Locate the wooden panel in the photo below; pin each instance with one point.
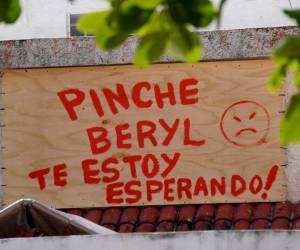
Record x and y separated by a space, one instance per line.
225 138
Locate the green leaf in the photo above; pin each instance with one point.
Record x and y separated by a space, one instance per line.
161 29
110 40
184 45
97 24
10 10
200 12
288 48
278 75
92 22
286 55
153 25
177 11
128 19
154 37
196 12
296 78
143 4
150 48
295 14
290 129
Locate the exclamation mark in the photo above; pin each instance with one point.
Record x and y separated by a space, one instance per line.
270 180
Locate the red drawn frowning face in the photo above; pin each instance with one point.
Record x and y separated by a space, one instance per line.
245 123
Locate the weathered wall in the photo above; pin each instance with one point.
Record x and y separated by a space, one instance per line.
212 240
219 45
230 44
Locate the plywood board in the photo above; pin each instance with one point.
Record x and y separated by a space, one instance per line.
117 136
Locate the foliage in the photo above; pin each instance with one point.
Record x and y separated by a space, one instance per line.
163 26
287 58
9 10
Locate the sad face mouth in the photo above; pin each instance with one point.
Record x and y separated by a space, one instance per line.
245 130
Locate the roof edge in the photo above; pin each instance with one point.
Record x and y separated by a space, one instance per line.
83 51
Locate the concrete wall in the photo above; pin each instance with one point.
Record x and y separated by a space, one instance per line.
231 44
209 240
49 18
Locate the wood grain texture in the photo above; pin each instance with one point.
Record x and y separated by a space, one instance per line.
39 134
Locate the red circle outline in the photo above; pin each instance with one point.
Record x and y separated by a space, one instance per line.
260 141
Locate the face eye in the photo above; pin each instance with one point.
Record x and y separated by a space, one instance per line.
237 118
251 116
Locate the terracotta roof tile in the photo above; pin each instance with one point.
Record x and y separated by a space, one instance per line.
110 218
242 216
296 224
260 224
111 227
225 212
145 228
280 223
149 214
261 216
186 213
224 217
183 226
243 212
280 215
241 225
204 217
130 215
75 211
262 210
126 228
147 219
195 217
165 226
205 212
94 215
296 211
222 225
283 210
167 218
202 225
168 213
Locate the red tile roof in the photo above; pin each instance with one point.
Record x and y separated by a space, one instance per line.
195 217
190 217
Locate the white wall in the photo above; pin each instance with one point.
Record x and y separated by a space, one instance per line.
49 18
204 240
46 18
240 14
